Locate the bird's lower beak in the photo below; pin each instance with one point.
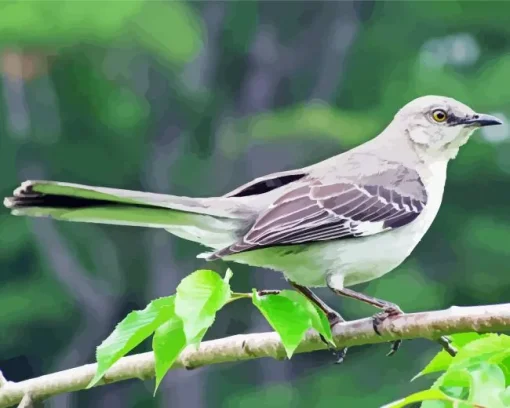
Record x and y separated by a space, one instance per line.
481 119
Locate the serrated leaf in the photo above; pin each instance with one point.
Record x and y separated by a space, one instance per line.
318 319
130 332
492 347
168 342
289 318
487 384
442 360
199 296
489 348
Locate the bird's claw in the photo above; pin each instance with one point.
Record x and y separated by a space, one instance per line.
394 310
340 355
379 318
335 318
395 345
388 312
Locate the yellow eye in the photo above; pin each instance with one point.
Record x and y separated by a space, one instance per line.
439 115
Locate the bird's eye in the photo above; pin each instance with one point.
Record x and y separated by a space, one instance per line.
439 115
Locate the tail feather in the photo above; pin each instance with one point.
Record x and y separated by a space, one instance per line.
53 201
213 223
223 206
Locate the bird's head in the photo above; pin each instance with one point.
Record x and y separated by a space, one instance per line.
440 125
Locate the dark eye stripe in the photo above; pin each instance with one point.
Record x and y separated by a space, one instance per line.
453 120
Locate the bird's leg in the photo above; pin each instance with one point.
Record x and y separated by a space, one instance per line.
333 317
388 310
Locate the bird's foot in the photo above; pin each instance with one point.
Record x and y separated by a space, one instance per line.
334 318
390 311
393 310
340 355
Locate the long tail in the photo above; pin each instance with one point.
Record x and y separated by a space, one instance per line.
211 221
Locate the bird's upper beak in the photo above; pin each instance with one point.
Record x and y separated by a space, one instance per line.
480 120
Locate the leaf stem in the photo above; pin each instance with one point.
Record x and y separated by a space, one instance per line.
238 295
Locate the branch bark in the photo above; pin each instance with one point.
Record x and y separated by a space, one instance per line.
430 325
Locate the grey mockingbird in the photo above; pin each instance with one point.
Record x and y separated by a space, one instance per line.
346 220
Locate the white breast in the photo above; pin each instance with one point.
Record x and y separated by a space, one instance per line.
381 253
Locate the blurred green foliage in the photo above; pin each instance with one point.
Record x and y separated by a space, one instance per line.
198 97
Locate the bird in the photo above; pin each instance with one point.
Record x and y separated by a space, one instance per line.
346 220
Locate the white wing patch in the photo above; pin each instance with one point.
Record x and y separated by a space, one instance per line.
369 228
314 212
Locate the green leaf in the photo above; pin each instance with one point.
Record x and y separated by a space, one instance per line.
487 384
472 370
168 342
456 392
287 317
428 395
488 348
130 332
435 404
475 370
505 397
199 296
492 348
291 315
453 378
442 360
317 318
505 366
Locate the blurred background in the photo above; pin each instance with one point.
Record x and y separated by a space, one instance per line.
195 98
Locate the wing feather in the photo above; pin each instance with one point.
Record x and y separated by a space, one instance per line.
313 212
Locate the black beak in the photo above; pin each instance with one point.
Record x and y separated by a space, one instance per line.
481 119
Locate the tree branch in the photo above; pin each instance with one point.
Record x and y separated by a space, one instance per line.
251 346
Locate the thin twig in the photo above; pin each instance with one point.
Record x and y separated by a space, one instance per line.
26 402
430 325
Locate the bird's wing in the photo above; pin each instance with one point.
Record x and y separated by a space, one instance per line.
267 183
316 211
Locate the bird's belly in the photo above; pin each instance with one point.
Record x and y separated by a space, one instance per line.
351 261
369 258
377 256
